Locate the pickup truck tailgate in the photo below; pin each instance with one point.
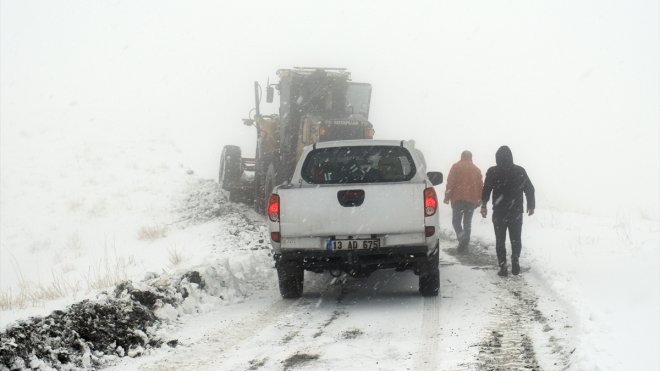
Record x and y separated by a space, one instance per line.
387 208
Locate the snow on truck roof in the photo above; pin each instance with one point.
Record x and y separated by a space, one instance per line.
364 142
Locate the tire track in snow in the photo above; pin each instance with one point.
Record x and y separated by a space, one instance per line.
210 351
426 358
509 341
520 335
293 337
342 303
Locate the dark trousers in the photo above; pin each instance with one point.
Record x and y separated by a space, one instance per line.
512 223
462 220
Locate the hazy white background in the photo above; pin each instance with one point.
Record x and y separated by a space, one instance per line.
93 94
572 87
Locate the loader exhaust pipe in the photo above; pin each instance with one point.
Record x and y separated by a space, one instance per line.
256 99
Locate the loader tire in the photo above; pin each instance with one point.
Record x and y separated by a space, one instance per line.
231 168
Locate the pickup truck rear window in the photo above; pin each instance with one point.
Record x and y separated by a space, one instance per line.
375 164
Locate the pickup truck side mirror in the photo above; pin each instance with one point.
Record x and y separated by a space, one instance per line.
435 177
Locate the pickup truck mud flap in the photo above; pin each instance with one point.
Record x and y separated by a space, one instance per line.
369 260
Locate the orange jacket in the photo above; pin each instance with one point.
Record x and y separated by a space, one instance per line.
464 183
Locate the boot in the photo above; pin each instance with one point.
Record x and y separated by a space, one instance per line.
503 272
515 267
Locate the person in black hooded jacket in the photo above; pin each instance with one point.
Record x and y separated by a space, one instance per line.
507 182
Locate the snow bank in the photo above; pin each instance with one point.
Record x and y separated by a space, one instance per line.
92 332
133 317
225 243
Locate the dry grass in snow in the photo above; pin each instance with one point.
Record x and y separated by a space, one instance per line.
151 232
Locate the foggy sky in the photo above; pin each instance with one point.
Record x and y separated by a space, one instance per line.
571 86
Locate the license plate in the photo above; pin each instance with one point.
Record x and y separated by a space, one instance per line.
338 245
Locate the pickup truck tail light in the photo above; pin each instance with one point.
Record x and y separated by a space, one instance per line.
273 210
430 201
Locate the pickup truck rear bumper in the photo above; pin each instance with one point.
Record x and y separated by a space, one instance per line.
380 258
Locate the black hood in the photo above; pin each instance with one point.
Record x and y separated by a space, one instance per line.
504 157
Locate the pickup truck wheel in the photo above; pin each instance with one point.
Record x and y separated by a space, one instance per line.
291 277
229 175
429 276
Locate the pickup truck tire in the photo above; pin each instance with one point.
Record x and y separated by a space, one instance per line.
429 276
291 276
229 175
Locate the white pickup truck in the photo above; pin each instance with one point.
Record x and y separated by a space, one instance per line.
356 206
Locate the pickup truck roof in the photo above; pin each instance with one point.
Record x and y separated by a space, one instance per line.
409 144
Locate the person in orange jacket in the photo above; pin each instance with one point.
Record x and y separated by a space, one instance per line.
463 190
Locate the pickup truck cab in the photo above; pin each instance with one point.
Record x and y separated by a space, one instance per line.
356 206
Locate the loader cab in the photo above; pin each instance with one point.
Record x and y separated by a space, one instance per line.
317 105
358 99
347 119
327 92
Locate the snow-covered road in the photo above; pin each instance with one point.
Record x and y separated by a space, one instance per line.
479 321
556 315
